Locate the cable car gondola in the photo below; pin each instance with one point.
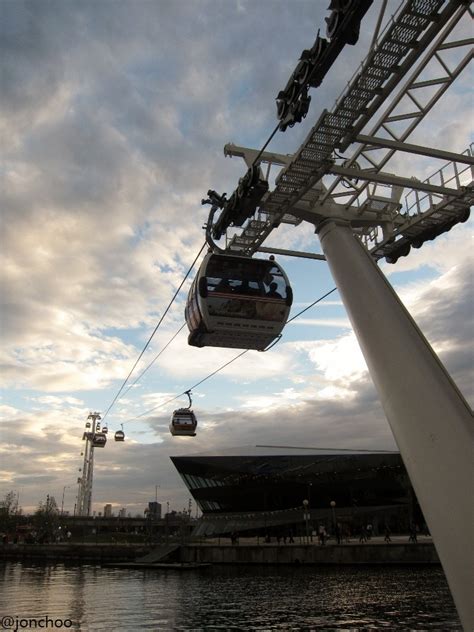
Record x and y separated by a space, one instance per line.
237 302
105 430
183 422
99 440
120 435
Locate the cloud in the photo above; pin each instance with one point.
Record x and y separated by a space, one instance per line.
112 123
323 322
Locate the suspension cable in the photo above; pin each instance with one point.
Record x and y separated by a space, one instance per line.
154 331
226 364
154 359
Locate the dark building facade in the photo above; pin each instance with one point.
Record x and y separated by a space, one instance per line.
247 493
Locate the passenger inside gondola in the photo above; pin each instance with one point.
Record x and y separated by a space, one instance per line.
240 280
249 288
272 292
222 286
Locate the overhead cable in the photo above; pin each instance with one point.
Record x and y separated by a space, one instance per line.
155 359
226 364
154 331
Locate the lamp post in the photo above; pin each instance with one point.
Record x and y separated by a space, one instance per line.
62 501
334 523
306 518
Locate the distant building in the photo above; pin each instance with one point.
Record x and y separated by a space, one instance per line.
269 493
122 513
108 511
154 510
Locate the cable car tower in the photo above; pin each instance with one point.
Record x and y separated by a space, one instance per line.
360 216
94 438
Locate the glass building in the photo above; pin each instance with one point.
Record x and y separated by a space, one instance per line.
250 493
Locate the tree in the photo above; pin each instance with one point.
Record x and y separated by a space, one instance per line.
46 519
9 512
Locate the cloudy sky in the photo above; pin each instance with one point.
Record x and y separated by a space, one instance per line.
113 119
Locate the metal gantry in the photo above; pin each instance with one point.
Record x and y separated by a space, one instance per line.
299 192
361 215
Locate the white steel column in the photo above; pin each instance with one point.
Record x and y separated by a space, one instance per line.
431 421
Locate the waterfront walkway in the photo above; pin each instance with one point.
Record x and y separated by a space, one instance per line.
312 541
246 551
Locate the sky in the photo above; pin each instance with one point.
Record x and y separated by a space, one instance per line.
113 119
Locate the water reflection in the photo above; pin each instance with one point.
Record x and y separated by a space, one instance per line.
231 598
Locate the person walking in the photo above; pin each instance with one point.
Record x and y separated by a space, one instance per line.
413 537
322 535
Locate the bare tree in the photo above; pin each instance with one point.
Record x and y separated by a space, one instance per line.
46 519
9 512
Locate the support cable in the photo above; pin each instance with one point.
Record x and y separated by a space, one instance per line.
191 388
154 331
154 359
321 298
267 142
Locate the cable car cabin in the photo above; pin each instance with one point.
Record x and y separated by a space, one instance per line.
105 430
99 440
183 423
119 435
237 302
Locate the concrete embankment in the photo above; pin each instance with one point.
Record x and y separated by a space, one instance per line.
422 553
199 553
70 552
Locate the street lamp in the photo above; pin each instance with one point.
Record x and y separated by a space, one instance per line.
333 510
62 501
306 518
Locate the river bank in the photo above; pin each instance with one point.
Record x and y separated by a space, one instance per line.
375 551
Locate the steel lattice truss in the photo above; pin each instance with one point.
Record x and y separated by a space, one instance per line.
417 38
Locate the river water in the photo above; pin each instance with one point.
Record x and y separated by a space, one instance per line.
62 597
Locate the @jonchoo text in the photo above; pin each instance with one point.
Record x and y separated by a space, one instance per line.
13 624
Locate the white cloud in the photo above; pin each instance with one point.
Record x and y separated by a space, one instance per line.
338 359
113 123
342 323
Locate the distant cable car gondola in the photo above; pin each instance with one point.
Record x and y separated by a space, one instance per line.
99 440
88 425
183 422
237 302
105 430
120 435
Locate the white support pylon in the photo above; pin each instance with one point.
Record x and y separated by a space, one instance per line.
431 422
84 497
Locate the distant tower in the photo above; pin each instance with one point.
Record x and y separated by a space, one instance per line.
108 511
94 438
